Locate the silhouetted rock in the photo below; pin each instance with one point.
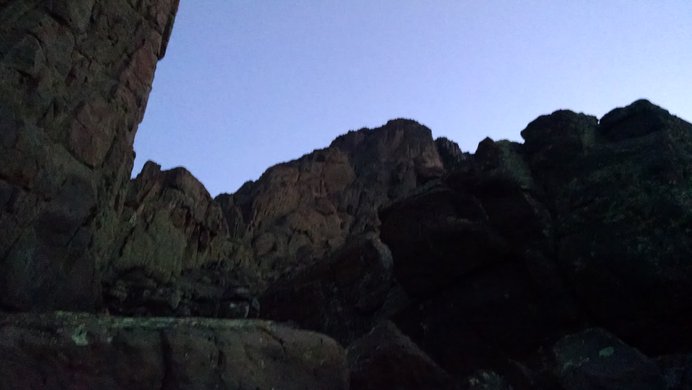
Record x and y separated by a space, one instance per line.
595 359
67 350
676 371
386 359
450 153
524 243
75 80
521 266
622 217
342 295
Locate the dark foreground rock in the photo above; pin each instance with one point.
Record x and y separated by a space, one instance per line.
174 254
387 359
301 211
343 295
585 224
595 359
79 351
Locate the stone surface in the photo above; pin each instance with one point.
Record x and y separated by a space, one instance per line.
342 295
173 251
585 224
581 234
302 210
67 350
386 359
74 81
595 359
622 219
676 371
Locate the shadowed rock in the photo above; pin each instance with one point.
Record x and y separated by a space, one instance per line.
66 350
75 80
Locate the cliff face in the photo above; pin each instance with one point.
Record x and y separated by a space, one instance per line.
75 80
300 211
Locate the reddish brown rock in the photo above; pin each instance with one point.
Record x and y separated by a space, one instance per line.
300 211
67 350
387 359
75 80
173 252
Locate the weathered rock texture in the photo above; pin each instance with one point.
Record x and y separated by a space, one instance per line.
585 224
300 211
562 262
595 359
74 81
173 252
385 358
77 351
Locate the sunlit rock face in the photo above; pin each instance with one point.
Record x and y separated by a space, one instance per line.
75 80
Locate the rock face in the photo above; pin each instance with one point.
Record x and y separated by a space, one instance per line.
173 252
75 80
343 295
385 358
64 350
594 359
299 211
622 218
585 224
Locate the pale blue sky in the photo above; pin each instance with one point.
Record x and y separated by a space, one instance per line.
247 84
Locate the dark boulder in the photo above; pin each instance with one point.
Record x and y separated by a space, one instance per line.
386 359
342 295
595 359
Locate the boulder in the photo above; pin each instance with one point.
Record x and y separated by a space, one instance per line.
595 359
342 295
523 244
69 350
387 359
621 215
676 371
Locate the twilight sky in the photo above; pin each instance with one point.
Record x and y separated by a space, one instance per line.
249 83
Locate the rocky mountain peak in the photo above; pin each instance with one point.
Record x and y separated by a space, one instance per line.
301 210
635 120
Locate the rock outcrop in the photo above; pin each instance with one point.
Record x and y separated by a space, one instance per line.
173 254
585 224
595 359
80 351
75 80
300 211
385 358
562 262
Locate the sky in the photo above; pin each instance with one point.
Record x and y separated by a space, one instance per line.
247 84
